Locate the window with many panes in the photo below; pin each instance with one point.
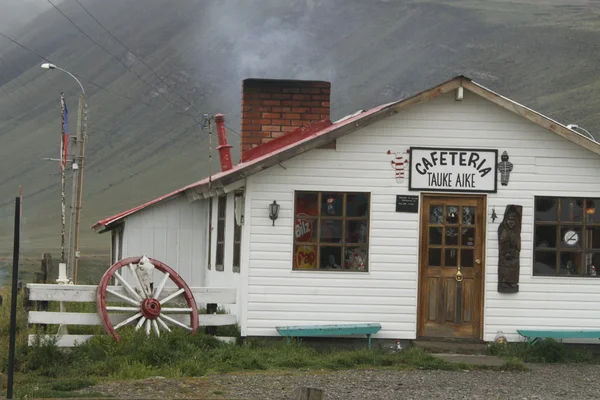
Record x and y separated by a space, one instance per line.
221 212
331 231
237 232
566 236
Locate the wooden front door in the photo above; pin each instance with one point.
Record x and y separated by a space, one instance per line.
451 266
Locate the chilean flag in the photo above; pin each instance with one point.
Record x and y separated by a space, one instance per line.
64 142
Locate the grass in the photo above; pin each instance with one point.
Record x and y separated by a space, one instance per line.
545 351
46 370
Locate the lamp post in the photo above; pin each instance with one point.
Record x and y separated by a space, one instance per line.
575 126
78 151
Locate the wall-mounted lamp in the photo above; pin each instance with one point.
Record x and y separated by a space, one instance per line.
273 211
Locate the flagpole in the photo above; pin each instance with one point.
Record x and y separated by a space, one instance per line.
62 180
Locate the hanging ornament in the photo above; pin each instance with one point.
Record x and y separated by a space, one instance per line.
571 208
399 162
505 167
330 209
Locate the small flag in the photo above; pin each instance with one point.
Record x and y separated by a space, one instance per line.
64 142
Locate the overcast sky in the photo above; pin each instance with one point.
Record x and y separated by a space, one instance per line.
16 13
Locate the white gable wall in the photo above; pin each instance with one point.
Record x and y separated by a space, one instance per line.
173 232
544 164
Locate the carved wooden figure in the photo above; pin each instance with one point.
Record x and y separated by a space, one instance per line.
509 249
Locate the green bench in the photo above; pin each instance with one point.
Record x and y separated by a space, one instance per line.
534 335
329 330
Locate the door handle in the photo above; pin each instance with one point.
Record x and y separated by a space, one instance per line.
459 275
478 261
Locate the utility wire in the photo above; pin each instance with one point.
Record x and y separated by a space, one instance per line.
114 56
184 112
29 50
87 80
138 57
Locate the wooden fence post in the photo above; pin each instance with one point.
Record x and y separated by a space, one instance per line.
211 309
307 393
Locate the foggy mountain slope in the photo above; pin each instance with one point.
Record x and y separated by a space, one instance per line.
543 54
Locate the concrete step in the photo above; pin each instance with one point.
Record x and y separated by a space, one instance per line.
451 347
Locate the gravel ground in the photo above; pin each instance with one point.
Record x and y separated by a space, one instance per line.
542 382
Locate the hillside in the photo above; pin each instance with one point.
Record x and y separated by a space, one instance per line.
544 54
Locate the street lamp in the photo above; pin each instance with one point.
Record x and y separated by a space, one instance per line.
78 150
52 66
575 126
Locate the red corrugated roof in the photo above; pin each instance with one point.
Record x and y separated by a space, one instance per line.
262 152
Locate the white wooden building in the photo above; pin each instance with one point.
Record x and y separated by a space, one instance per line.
363 236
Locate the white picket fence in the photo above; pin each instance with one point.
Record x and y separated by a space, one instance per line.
87 294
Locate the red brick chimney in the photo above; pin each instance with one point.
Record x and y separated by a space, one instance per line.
224 148
272 108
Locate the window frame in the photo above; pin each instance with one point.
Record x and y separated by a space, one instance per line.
237 232
221 230
583 226
317 230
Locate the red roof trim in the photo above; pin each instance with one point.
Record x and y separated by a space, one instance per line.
282 141
301 136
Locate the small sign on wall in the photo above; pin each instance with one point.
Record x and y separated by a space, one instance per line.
407 204
453 170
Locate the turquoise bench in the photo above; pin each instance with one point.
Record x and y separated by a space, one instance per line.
329 330
534 335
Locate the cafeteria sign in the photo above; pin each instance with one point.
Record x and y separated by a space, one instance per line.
453 170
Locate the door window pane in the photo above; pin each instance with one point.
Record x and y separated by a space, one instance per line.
468 215
468 237
452 214
467 259
435 257
435 236
545 263
545 236
451 236
451 258
436 215
546 208
331 257
571 210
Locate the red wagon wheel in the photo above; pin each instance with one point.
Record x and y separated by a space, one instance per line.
144 303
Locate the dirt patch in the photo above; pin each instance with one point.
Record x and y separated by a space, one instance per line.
542 382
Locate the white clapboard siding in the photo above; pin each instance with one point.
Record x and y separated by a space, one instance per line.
71 318
87 293
173 232
543 164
